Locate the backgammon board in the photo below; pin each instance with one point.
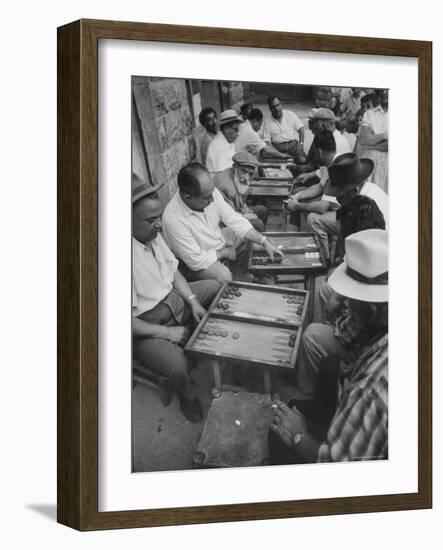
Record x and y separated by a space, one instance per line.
302 255
252 324
267 188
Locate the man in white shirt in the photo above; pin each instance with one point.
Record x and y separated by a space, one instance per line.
284 130
313 199
209 129
191 223
222 149
249 138
164 305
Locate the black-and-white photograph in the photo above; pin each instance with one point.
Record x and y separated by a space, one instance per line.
259 274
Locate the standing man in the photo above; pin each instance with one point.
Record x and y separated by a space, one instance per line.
164 305
222 149
284 131
374 139
208 120
192 221
351 105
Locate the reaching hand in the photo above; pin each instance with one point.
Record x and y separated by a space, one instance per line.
272 249
198 310
179 335
287 422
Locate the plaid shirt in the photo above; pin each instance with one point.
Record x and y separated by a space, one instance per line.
359 429
352 337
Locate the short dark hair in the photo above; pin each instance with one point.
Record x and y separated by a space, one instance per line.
373 98
187 178
325 141
271 99
256 114
359 214
244 108
204 113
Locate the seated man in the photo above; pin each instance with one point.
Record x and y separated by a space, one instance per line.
191 224
164 305
357 427
222 149
319 120
284 130
233 184
347 178
208 120
314 199
249 139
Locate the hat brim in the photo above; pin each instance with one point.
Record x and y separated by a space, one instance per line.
229 120
145 191
367 169
345 285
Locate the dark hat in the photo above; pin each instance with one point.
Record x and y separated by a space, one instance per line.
144 190
243 158
349 170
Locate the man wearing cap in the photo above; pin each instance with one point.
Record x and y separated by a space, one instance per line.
222 149
324 119
284 130
233 184
164 305
356 426
191 223
249 139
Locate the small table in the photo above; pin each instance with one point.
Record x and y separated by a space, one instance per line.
303 257
258 326
271 191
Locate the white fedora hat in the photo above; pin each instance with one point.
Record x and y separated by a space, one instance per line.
364 273
230 115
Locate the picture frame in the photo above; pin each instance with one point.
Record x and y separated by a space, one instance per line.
78 244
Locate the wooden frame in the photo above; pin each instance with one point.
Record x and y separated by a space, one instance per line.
77 274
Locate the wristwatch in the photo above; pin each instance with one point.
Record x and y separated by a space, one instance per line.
263 240
298 437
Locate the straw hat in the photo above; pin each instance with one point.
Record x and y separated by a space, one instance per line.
364 274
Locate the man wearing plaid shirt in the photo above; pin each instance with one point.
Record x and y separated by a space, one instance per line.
357 422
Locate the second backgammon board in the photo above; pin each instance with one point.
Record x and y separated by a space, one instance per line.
275 172
266 188
302 255
252 324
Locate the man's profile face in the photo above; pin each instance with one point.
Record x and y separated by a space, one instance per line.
256 125
210 123
146 219
206 195
367 105
231 131
276 108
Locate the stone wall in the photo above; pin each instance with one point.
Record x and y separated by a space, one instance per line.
166 124
163 127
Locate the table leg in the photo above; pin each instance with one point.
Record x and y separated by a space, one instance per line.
310 286
217 374
267 380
